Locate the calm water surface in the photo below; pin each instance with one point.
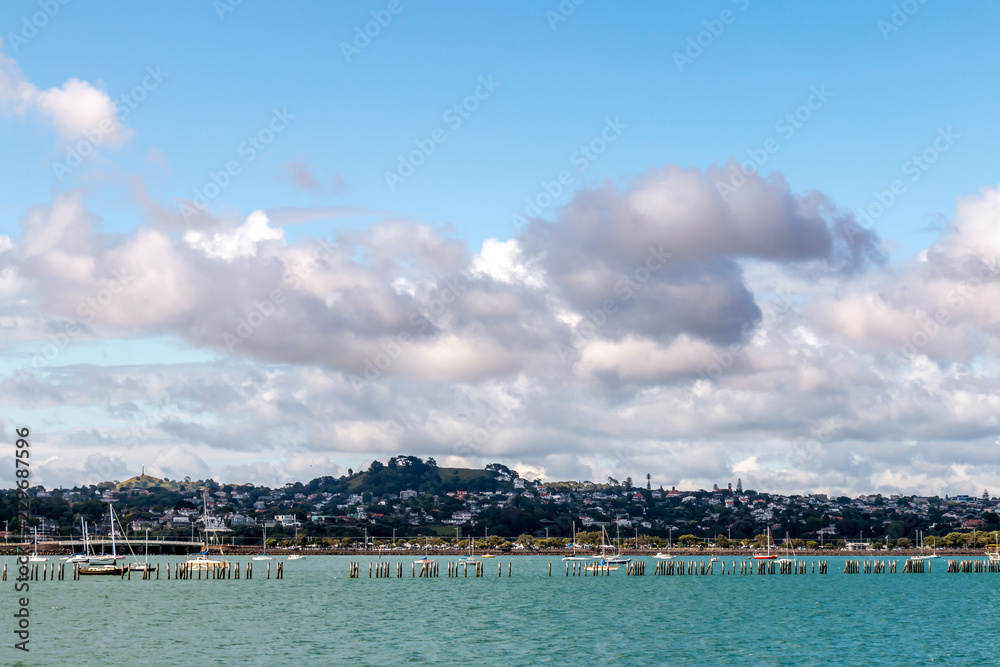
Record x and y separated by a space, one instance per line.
318 615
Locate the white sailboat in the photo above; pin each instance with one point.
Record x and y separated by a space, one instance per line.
263 556
922 555
607 562
84 556
791 557
200 561
34 557
104 564
471 558
145 565
574 556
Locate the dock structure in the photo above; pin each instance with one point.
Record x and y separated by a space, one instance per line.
179 571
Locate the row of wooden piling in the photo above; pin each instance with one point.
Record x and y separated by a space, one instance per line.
49 572
973 566
379 570
180 571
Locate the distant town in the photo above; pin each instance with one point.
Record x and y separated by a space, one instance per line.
410 500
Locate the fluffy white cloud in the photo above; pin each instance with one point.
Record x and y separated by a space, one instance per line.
649 328
77 110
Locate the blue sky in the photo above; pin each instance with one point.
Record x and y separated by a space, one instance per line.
557 87
889 89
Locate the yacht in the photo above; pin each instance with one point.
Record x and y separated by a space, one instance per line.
34 557
766 555
263 556
104 564
575 545
922 555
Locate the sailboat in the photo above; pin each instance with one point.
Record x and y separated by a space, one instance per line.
922 555
791 558
574 556
34 557
471 558
84 556
425 558
616 557
608 562
768 555
200 561
145 565
264 555
104 564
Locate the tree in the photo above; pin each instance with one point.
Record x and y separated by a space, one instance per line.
739 485
649 484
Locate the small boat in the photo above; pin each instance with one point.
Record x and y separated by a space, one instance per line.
489 556
102 569
144 566
665 556
601 566
264 555
108 559
616 557
34 557
78 558
713 559
993 553
425 559
201 562
767 555
575 545
296 557
922 555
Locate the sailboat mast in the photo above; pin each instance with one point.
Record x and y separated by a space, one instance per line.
111 512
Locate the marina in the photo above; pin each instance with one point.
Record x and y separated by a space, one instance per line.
331 613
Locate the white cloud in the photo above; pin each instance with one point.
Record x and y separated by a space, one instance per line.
240 242
77 110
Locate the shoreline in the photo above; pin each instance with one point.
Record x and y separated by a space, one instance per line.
14 550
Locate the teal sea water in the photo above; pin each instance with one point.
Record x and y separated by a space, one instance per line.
317 615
